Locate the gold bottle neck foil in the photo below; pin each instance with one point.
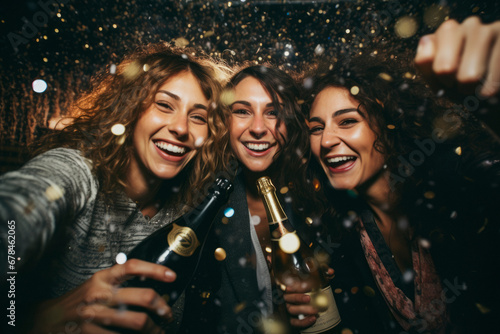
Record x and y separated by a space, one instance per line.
275 212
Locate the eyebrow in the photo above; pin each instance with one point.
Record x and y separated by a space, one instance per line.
177 98
335 114
248 104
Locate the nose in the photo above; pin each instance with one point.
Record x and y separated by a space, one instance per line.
258 128
329 139
179 125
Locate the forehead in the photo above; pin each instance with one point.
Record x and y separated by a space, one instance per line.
181 83
251 89
331 99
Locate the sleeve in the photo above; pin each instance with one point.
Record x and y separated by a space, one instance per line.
37 199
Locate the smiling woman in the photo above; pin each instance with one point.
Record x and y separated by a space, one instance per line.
130 153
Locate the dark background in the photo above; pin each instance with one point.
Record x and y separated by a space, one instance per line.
65 42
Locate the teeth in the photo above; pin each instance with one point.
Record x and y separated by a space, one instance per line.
339 159
171 148
257 147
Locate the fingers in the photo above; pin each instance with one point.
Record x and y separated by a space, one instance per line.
297 298
462 56
122 272
145 298
303 322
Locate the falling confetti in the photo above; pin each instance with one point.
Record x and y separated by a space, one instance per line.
354 90
228 212
406 27
54 192
220 254
289 243
121 258
39 86
118 129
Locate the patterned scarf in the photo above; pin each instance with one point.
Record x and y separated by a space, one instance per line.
427 314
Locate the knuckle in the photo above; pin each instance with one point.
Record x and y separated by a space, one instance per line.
472 21
149 297
448 25
139 321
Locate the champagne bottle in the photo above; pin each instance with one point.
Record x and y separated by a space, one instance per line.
178 245
293 261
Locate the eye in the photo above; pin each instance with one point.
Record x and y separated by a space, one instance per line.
241 112
316 130
164 106
200 119
272 113
348 121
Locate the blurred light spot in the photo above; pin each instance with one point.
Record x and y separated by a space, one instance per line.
39 86
121 258
229 212
319 50
220 254
458 150
385 76
354 90
347 31
429 194
406 27
368 290
269 250
408 276
309 221
112 69
289 243
227 97
54 192
316 185
338 290
242 261
483 309
115 26
284 190
346 331
199 141
320 301
224 220
118 129
255 220
435 14
354 290
132 70
424 243
145 67
391 127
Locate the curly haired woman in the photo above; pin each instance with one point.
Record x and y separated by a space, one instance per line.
118 172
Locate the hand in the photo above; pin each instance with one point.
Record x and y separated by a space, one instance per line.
302 313
462 56
94 306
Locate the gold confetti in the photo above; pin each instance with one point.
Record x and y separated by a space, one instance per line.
205 294
181 42
284 190
309 221
54 192
269 249
346 331
368 290
385 76
409 75
391 127
227 97
354 90
220 254
316 185
145 67
132 70
225 220
289 243
337 290
354 290
238 308
406 27
209 33
320 301
458 150
483 309
273 326
429 194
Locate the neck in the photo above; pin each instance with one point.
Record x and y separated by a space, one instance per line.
251 181
141 187
377 193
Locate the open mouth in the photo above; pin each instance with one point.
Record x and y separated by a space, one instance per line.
172 149
340 162
257 147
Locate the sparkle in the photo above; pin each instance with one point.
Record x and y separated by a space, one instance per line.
121 258
118 129
354 90
458 150
406 27
229 212
39 86
54 192
289 243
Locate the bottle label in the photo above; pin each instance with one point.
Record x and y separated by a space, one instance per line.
182 240
328 318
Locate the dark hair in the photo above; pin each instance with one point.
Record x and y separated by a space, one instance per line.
120 96
294 152
409 119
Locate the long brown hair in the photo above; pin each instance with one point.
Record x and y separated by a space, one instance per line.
120 96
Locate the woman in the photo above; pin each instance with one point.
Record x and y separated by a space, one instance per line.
118 172
414 181
266 134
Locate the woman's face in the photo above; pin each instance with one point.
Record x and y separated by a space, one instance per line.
169 131
343 141
252 129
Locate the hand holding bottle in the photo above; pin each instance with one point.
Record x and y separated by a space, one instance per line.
99 303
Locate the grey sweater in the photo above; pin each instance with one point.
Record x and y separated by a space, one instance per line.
56 196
